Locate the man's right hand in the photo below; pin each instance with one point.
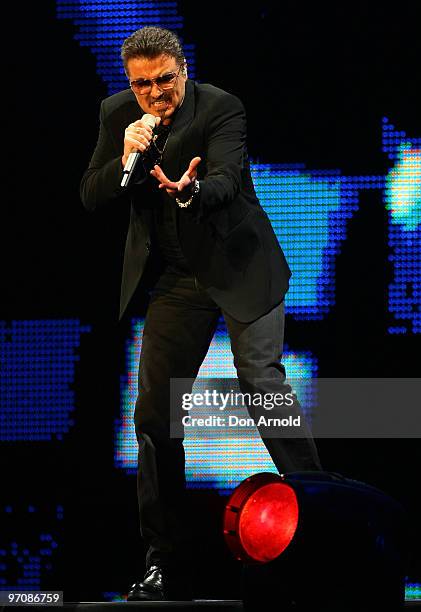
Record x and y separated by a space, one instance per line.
137 137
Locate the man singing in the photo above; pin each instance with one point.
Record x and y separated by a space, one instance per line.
197 223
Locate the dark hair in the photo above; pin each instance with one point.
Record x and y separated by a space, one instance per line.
150 42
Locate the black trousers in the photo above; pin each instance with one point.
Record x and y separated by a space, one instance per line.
180 322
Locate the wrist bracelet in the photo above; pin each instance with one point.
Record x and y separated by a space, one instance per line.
195 191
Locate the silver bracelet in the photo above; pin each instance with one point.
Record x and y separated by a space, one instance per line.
195 191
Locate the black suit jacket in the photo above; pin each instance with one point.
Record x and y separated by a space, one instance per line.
225 234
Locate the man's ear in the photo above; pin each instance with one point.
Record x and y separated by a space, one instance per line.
184 70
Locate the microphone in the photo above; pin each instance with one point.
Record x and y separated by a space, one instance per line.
133 157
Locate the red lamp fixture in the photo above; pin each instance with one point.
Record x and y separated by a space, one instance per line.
261 518
321 530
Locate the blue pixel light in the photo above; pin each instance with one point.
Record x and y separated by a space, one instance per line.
402 198
27 561
413 591
309 211
103 26
38 361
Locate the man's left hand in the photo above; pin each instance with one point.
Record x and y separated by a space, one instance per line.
175 188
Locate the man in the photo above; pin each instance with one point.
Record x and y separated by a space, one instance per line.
195 215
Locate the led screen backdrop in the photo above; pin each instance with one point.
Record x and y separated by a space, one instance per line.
335 144
309 211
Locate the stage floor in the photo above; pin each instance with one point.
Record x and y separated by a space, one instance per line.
197 604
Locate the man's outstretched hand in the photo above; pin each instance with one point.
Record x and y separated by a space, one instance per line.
175 188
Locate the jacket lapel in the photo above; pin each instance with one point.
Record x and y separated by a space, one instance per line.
173 149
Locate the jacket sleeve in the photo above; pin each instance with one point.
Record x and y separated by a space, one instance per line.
101 182
225 155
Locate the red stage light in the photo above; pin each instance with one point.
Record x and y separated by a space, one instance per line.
268 521
317 529
261 518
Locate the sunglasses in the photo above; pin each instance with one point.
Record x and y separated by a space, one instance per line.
164 82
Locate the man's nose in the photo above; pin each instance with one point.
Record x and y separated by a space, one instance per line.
156 92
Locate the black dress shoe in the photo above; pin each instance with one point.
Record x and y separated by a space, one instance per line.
151 588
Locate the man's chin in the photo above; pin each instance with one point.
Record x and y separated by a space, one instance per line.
163 113
167 114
